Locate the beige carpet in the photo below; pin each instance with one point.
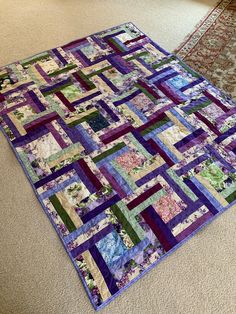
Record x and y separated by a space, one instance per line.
36 275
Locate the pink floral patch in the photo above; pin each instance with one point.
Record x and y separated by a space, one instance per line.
130 160
167 208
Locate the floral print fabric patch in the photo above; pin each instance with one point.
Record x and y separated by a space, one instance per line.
128 150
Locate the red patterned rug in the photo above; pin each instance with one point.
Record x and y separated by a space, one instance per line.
211 48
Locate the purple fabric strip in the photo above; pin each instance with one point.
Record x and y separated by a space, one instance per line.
78 102
36 101
71 132
39 121
194 103
192 84
127 98
57 85
91 241
179 218
146 65
216 101
120 64
187 200
82 175
113 132
19 88
191 165
30 136
196 141
142 141
81 60
108 110
159 228
201 196
186 232
53 176
152 175
170 93
109 83
223 136
221 119
214 153
42 73
159 72
98 41
165 78
11 125
56 135
115 185
59 57
99 209
110 281
189 138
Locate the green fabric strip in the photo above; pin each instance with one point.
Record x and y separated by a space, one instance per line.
36 116
56 89
155 126
109 152
99 71
132 219
137 55
86 80
150 96
166 61
203 105
34 59
231 197
62 213
126 225
65 69
116 44
86 118
62 152
150 201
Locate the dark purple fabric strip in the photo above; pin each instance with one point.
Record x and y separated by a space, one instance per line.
127 98
53 176
145 195
196 224
223 136
179 218
36 100
99 209
189 137
191 165
30 136
201 196
91 241
109 279
108 110
159 228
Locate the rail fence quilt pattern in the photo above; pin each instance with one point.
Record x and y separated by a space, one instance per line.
128 150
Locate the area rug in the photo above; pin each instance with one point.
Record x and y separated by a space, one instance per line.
129 151
211 48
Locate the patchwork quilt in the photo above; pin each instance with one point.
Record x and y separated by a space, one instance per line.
128 150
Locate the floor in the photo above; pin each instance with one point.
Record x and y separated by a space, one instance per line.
36 276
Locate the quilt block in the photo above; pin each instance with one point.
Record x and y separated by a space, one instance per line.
128 150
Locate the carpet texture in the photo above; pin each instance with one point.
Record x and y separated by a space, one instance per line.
211 48
35 275
129 151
